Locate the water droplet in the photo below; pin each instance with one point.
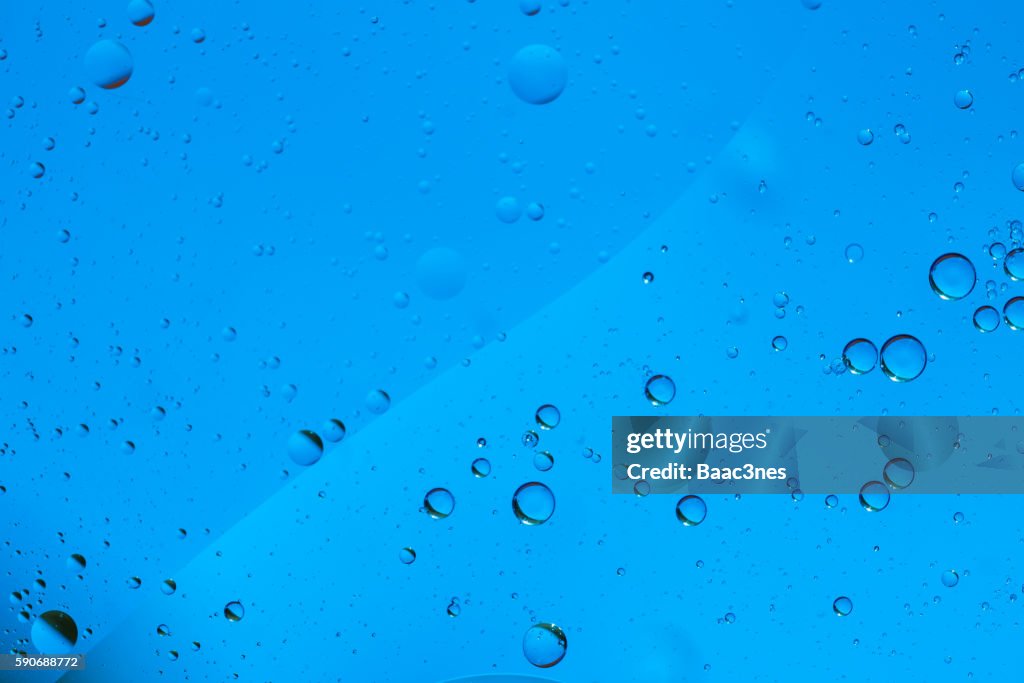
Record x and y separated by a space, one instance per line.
481 467
986 319
134 582
508 210
378 401
811 4
860 356
406 555
647 278
529 7
691 510
548 416
874 496
842 606
1013 264
234 611
544 645
1017 176
533 503
439 503
865 136
831 500
660 390
854 253
950 578
305 447
441 273
454 608
168 586
530 439
1013 313
903 358
963 99
54 632
958 518
781 299
952 276
535 211
163 630
898 473
732 352
334 430
76 95
198 35
109 64
538 74
76 562
37 170
141 12
543 461
780 343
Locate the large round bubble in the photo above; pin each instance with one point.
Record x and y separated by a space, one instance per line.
109 64
441 273
538 74
54 633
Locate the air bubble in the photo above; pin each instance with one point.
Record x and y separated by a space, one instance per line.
141 12
439 503
952 276
842 606
898 473
903 358
543 461
854 253
660 390
334 430
54 633
548 416
950 578
538 74
691 510
533 503
406 555
1013 264
109 64
963 99
874 496
865 136
234 611
544 645
1013 313
860 356
378 401
305 447
986 319
481 468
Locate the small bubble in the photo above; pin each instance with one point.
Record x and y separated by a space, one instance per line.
854 253
334 430
660 390
732 352
234 611
842 606
109 64
903 358
780 343
548 416
950 578
378 401
831 501
141 12
481 468
168 586
874 496
1017 177
963 99
691 510
647 278
533 503
543 461
958 518
544 645
1013 264
406 555
865 136
439 503
508 210
986 319
37 170
538 74
198 35
305 447
530 439
898 473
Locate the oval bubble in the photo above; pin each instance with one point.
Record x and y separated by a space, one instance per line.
903 358
660 390
691 510
842 606
54 633
109 64
874 496
898 473
533 503
538 74
441 273
439 503
305 447
548 416
1013 313
544 645
860 356
1017 177
986 319
1013 264
952 276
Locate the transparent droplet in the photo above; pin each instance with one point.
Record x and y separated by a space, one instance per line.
780 343
1013 264
76 562
691 510
986 319
958 518
109 64
508 210
963 99
952 276
533 503
454 608
548 416
898 473
1013 313
378 401
406 555
950 578
141 12
54 633
334 430
530 439
660 390
647 278
732 352
535 211
543 461
481 467
1017 176
305 447
441 273
529 7
134 582
865 136
854 253
538 74
874 496
831 500
842 606
234 611
903 358
439 503
781 299
168 586
544 645
860 356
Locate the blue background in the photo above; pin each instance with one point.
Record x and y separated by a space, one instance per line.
285 177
